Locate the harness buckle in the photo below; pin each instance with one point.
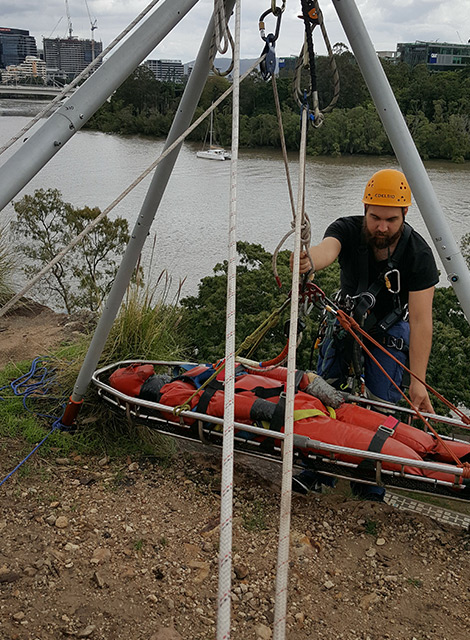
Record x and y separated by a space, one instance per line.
389 431
392 281
392 342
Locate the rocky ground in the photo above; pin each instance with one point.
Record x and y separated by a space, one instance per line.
127 549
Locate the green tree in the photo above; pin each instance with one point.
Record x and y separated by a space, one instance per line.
257 296
45 225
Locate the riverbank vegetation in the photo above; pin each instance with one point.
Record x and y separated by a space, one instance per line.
436 107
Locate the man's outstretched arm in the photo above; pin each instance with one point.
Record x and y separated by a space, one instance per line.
420 319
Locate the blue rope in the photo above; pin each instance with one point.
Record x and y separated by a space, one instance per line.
37 381
54 428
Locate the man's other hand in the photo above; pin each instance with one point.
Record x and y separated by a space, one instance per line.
305 264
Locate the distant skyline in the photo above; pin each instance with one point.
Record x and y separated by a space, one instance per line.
388 23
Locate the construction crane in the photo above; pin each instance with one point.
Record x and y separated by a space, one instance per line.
69 21
93 26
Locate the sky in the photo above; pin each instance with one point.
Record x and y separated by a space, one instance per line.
388 22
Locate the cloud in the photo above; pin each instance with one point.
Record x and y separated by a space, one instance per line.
388 23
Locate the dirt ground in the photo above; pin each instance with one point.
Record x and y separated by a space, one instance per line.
112 550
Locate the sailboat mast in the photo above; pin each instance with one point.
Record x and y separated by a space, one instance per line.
210 129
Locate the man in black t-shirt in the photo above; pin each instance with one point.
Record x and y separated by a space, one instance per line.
387 272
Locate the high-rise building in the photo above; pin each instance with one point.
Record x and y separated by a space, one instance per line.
437 56
31 69
166 70
15 45
71 55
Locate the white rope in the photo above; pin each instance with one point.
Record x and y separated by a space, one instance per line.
280 608
80 77
6 307
226 507
220 25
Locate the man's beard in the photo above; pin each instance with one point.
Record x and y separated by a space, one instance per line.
381 240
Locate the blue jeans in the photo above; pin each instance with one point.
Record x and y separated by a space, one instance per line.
336 354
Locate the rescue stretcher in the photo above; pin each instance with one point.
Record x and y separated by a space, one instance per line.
340 452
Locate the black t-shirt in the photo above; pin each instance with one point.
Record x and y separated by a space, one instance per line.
416 263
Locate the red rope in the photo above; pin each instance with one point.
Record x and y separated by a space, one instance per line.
349 323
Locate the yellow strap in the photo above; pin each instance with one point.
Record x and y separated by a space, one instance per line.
301 414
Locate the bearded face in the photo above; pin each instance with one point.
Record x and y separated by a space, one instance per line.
383 226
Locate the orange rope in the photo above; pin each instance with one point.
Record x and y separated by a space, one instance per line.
278 359
349 324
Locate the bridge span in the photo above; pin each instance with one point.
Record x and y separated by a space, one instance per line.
31 90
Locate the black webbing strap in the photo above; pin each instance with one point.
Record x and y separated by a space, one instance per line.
382 434
263 392
206 397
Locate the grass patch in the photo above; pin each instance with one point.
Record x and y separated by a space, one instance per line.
147 327
255 517
371 528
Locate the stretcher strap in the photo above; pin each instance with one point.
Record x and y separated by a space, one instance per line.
383 433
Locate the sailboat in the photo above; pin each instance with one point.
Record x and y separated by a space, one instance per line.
213 152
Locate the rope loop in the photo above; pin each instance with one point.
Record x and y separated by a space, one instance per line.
220 26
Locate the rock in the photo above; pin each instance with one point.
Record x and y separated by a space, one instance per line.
328 584
87 631
100 555
99 580
71 547
62 522
8 576
240 571
263 632
18 616
380 542
370 553
369 600
134 466
202 570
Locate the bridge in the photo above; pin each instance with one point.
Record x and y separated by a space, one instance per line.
29 90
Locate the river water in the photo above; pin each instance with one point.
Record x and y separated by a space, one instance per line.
191 226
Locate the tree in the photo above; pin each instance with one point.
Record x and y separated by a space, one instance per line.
257 296
45 225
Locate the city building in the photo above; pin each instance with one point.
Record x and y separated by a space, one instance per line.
71 55
31 69
15 45
166 70
437 56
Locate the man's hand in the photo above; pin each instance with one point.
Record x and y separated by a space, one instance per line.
419 396
305 264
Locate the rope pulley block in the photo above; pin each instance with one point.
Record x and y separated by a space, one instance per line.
268 64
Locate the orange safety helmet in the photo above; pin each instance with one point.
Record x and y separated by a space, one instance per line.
388 188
